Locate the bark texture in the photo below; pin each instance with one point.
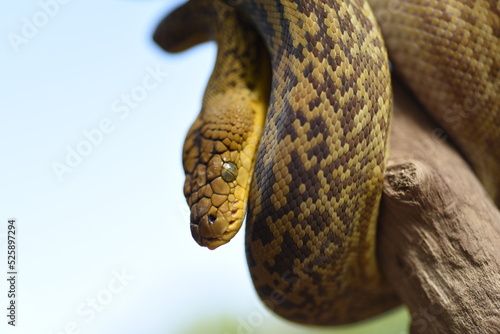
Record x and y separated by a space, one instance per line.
439 238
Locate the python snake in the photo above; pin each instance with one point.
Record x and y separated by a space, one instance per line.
295 122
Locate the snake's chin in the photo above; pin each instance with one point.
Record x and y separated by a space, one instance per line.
212 242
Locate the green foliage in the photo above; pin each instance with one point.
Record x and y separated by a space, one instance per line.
395 322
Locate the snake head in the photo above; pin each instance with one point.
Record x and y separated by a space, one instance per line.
218 162
218 206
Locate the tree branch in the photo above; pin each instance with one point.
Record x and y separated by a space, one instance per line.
439 238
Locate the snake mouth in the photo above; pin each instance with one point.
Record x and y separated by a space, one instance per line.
212 234
213 226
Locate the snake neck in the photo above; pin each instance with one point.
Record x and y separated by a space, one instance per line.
219 151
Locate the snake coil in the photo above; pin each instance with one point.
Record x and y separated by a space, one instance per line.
295 122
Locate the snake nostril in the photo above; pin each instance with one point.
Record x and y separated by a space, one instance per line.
211 219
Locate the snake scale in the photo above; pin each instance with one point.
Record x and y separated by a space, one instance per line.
293 132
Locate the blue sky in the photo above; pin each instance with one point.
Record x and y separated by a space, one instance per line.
93 117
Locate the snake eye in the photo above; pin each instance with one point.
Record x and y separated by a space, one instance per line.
229 171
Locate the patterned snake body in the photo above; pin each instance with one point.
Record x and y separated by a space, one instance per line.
448 52
314 180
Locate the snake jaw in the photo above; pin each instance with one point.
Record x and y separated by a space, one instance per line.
211 243
211 230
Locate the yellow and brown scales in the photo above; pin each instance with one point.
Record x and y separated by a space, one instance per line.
295 122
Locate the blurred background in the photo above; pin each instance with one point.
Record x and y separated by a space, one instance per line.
93 119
